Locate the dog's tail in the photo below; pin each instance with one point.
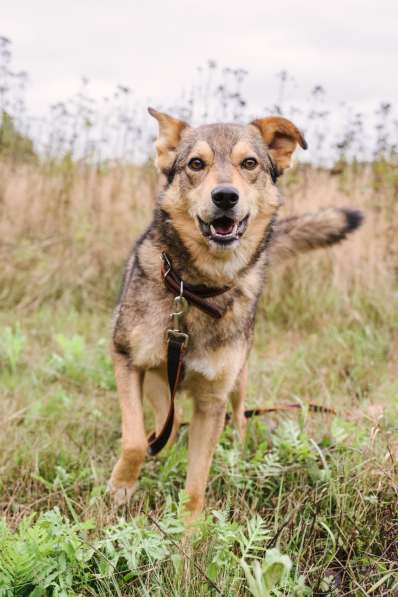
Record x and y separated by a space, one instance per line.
299 234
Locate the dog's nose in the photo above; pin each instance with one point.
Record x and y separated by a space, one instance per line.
225 197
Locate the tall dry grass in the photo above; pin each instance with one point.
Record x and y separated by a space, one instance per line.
66 229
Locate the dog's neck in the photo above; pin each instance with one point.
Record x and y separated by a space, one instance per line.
171 243
211 271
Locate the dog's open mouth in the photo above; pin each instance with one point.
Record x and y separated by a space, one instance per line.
223 230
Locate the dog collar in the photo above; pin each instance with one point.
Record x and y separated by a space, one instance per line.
195 294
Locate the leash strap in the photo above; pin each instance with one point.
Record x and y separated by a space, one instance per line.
177 338
175 367
256 412
177 342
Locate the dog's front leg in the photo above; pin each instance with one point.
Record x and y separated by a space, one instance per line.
238 397
129 381
207 424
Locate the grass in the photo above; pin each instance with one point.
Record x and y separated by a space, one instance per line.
306 507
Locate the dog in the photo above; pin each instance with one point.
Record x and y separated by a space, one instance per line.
215 222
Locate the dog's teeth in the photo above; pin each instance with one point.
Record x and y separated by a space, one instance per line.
212 229
242 225
235 230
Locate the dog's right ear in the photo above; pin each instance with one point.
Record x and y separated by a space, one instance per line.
170 131
281 137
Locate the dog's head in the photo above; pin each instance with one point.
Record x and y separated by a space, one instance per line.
219 179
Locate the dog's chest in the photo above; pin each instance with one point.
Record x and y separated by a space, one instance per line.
212 342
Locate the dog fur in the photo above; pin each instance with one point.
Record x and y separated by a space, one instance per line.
190 228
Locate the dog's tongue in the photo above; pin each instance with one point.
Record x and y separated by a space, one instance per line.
223 226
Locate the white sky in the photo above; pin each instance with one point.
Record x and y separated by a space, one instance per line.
154 47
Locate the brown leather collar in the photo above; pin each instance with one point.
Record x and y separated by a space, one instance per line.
195 294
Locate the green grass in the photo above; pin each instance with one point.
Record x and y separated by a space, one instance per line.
306 507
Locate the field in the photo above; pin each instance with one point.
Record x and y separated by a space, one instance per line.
308 506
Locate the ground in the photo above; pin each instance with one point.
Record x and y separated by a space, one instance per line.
311 497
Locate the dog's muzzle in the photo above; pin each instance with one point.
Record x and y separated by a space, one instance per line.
224 227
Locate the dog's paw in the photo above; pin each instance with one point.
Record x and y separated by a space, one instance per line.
121 494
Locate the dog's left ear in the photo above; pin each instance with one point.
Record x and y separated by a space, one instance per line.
281 136
170 131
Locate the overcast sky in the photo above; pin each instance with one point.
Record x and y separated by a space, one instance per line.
351 46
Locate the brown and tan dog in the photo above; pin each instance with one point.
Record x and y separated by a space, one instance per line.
216 219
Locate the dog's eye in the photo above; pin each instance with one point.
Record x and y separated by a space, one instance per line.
196 164
249 163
